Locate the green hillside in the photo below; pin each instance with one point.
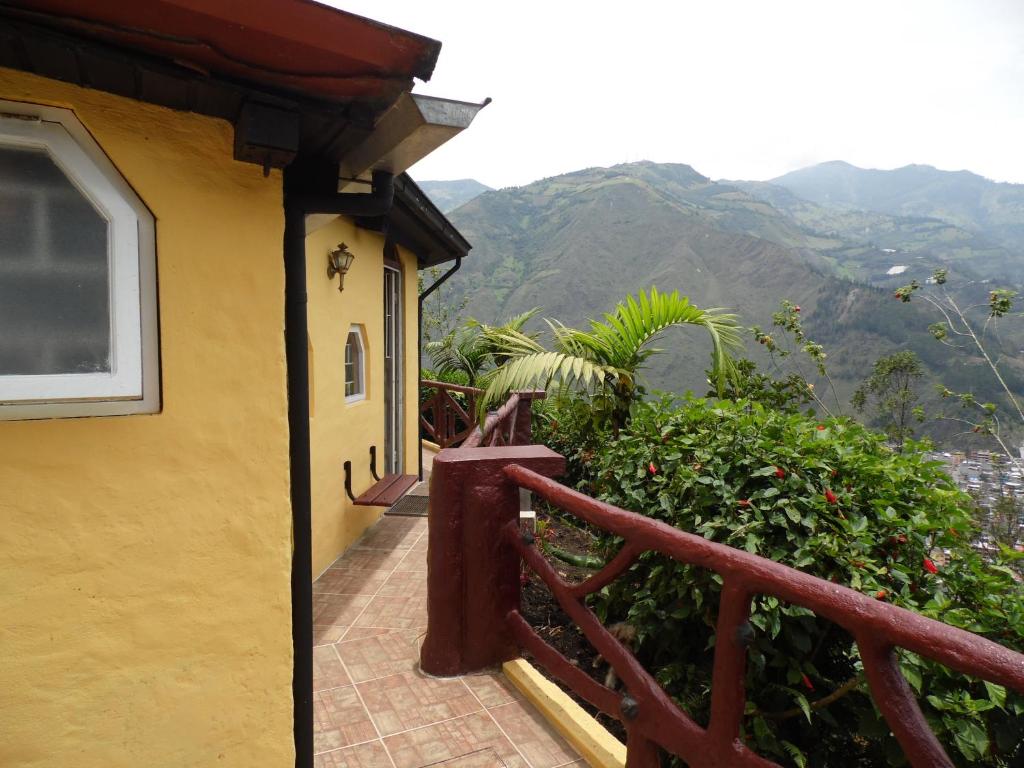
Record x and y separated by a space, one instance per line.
449 195
865 245
575 244
994 210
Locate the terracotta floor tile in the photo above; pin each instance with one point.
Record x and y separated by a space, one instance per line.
415 560
408 612
370 559
350 581
328 671
411 700
340 720
537 740
405 583
381 655
337 610
454 738
493 690
358 633
369 755
324 634
420 546
392 533
484 758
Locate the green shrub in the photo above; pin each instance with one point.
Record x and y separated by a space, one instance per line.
830 499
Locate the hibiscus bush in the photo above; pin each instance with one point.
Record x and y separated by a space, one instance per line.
830 499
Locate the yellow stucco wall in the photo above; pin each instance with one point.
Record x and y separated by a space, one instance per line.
144 560
341 431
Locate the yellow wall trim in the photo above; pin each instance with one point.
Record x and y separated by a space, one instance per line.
597 746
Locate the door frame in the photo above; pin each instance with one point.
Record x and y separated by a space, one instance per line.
394 422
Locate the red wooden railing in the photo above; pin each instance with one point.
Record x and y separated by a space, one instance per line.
509 425
443 417
450 425
475 550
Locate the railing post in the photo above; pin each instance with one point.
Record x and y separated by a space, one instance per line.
522 426
472 573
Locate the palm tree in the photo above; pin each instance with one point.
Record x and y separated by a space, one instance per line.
605 360
469 349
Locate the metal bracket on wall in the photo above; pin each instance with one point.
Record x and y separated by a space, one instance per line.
373 463
348 480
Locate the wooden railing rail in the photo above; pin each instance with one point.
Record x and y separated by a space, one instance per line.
476 546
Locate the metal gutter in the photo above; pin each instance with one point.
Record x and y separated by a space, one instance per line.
410 130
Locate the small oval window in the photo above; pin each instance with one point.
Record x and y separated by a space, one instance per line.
355 368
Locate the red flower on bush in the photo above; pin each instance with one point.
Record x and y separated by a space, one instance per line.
653 469
930 566
830 497
821 427
780 472
881 594
796 309
807 682
744 502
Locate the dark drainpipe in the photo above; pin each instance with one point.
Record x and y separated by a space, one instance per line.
419 337
309 187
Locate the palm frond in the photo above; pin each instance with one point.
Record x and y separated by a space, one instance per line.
637 321
539 370
610 351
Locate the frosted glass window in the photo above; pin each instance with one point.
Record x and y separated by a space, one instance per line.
77 275
54 275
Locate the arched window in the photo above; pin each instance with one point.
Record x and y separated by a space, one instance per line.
355 366
77 275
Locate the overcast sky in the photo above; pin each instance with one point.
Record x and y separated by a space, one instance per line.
741 90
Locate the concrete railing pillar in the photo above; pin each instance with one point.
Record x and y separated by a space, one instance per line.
472 575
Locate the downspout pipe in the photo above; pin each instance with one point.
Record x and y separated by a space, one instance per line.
309 187
419 335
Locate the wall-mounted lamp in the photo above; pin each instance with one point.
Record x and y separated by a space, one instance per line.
338 262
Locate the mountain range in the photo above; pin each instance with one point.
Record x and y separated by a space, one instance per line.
833 238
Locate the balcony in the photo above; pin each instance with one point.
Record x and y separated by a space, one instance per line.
465 590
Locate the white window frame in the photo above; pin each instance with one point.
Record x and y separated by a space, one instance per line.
133 383
357 331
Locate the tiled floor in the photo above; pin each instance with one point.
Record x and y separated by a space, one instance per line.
373 707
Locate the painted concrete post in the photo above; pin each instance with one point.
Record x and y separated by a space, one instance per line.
472 573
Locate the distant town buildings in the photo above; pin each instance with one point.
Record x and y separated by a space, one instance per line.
996 483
